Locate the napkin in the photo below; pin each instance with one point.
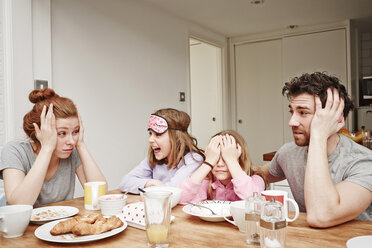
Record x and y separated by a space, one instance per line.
134 215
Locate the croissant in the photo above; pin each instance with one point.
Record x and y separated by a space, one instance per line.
100 226
64 226
67 225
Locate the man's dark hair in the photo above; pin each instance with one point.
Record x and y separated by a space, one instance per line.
317 84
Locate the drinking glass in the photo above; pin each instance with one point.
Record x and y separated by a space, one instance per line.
157 217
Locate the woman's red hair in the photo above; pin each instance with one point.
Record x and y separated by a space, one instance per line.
62 108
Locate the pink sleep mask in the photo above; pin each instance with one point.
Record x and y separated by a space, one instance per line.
157 124
160 125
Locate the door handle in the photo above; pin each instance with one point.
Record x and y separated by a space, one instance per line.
214 119
240 121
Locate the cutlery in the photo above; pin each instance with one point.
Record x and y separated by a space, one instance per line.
201 206
142 190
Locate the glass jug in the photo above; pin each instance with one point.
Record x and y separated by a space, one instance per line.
253 206
273 225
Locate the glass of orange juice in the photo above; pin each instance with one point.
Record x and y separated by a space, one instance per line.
157 217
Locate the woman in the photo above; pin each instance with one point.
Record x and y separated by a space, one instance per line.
42 170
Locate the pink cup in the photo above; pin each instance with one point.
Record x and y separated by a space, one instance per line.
282 197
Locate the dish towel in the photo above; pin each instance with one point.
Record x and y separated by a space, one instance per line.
134 215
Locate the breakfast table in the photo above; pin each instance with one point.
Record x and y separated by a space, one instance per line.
190 231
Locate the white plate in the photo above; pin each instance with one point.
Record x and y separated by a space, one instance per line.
221 208
46 214
43 233
360 242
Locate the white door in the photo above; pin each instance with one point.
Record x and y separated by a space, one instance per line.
322 51
258 96
206 95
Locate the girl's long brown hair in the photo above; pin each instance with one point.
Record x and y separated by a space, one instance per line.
181 141
244 160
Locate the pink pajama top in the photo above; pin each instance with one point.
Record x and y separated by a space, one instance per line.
237 189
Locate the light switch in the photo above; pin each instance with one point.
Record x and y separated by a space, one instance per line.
40 84
182 96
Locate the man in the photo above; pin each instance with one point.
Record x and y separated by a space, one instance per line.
330 176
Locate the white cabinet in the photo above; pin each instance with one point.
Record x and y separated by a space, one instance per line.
259 101
260 69
322 51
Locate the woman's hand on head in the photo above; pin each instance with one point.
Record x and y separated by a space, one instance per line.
81 131
47 133
230 150
213 150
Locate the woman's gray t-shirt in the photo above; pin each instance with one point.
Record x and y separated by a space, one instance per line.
19 155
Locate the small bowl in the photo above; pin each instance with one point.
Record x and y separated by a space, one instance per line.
176 196
112 204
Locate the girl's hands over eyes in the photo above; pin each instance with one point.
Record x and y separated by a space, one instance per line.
47 133
230 150
213 150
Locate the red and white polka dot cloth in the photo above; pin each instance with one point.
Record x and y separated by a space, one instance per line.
134 215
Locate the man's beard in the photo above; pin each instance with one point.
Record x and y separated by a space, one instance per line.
303 140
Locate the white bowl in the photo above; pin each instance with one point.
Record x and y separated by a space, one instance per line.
14 220
112 204
176 193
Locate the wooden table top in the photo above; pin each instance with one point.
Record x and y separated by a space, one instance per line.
190 231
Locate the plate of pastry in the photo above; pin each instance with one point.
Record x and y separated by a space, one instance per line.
81 229
221 208
46 214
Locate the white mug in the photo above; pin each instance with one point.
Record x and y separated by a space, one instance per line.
237 210
92 192
282 197
14 220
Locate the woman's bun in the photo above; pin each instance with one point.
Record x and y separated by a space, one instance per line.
41 95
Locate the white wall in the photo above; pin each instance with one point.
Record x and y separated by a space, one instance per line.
21 62
119 60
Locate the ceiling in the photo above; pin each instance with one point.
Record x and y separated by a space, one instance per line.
239 17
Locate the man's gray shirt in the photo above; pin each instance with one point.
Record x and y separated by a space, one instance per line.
349 162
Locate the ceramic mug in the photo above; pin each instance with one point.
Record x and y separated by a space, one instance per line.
14 220
237 210
282 197
92 192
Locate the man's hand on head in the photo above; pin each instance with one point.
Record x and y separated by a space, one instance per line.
328 120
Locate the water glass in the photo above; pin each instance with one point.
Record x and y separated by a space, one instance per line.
157 217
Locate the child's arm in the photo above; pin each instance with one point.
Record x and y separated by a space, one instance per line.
245 185
212 154
136 178
192 192
192 163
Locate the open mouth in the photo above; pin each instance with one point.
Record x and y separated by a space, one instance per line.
156 150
